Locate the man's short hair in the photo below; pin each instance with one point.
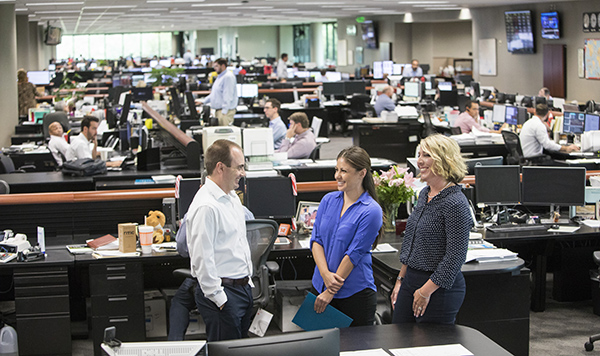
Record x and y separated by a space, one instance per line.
87 120
300 118
470 103
545 91
275 103
219 151
541 110
60 106
221 61
283 55
388 88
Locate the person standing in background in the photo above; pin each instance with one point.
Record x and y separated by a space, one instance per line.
27 93
282 67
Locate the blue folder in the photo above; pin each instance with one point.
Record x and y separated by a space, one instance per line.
309 320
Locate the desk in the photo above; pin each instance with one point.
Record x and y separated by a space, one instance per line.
486 150
412 335
394 141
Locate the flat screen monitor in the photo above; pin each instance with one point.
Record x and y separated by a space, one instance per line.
519 33
51 67
397 69
188 187
369 34
445 86
333 76
165 63
573 122
257 141
592 122
377 70
153 63
302 74
498 113
334 88
510 115
563 186
388 67
126 106
238 87
249 91
142 94
355 87
522 115
39 77
53 36
483 161
449 98
270 197
498 185
550 29
476 89
321 342
412 89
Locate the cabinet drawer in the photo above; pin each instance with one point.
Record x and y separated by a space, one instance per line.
41 291
116 279
122 304
31 306
41 279
44 335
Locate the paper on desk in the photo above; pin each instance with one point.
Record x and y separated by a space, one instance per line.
114 253
591 223
381 248
372 352
490 255
304 243
446 350
568 229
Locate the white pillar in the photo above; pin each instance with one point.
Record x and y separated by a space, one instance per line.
8 74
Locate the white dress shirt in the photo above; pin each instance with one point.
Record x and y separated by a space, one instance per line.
282 69
216 239
534 138
79 148
58 145
223 94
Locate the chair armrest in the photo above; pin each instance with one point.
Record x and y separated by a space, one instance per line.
273 267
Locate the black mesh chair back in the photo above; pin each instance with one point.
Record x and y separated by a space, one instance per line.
455 130
513 146
4 187
6 164
261 234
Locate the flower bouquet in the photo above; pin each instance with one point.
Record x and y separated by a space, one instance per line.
394 187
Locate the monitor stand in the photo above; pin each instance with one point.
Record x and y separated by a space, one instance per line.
560 220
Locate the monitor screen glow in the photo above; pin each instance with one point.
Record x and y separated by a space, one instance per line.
40 77
412 89
499 112
519 33
333 76
511 115
549 21
388 67
592 122
397 69
573 122
377 70
445 86
249 91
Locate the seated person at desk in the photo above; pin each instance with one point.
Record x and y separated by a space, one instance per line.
468 119
299 139
60 115
534 135
384 101
413 70
80 144
271 109
57 145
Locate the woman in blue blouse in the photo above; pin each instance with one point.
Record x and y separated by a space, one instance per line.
347 226
430 286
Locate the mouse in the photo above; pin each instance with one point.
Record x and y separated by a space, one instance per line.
555 227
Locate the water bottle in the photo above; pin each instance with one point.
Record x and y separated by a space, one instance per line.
8 341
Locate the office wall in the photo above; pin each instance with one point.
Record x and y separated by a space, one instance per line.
8 57
523 73
23 41
286 41
258 41
206 39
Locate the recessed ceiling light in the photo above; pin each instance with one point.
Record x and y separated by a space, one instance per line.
59 12
445 5
54 3
217 5
442 8
421 2
109 7
171 1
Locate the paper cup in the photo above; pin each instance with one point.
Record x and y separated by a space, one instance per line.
146 238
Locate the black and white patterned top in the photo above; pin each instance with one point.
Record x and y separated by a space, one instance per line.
437 235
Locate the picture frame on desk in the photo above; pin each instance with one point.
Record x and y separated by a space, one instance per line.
306 214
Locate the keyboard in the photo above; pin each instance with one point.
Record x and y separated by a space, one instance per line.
518 228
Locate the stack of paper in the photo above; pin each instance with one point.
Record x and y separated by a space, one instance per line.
490 255
164 179
464 139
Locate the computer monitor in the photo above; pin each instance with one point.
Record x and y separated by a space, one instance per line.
563 186
126 106
412 89
511 98
270 197
355 87
388 67
498 113
510 115
165 63
302 74
592 122
476 89
397 69
39 77
445 86
334 88
191 103
188 187
498 185
483 161
333 76
249 91
522 115
257 141
142 94
449 98
321 342
527 101
175 102
377 70
500 98
573 122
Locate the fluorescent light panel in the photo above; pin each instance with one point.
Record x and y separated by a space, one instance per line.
54 3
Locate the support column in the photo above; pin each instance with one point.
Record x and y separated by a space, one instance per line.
33 52
8 74
23 41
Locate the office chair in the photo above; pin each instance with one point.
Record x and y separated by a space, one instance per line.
316 125
315 154
515 151
455 130
4 187
7 166
589 345
261 235
59 116
359 107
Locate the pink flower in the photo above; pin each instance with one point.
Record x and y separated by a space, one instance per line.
410 180
388 175
399 170
396 182
376 179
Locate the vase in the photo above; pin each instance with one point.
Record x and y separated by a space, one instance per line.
391 211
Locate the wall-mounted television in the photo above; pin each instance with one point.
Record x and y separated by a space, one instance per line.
53 36
519 33
550 29
369 34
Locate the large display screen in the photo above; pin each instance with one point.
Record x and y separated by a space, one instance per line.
519 33
550 23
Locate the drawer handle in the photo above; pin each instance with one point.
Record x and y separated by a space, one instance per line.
115 268
113 278
118 320
117 299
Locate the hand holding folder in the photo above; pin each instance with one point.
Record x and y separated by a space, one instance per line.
308 319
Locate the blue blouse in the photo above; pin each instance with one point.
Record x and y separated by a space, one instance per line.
437 235
353 235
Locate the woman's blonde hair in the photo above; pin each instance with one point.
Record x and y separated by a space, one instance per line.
447 161
22 76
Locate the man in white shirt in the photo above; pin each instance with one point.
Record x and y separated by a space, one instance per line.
223 94
57 145
188 57
282 67
219 252
80 144
534 135
271 110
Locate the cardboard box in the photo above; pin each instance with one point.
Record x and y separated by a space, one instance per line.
127 237
156 317
288 298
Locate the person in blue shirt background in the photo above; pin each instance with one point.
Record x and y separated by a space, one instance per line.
348 224
271 109
384 101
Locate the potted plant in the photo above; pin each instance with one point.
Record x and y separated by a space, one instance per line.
394 187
